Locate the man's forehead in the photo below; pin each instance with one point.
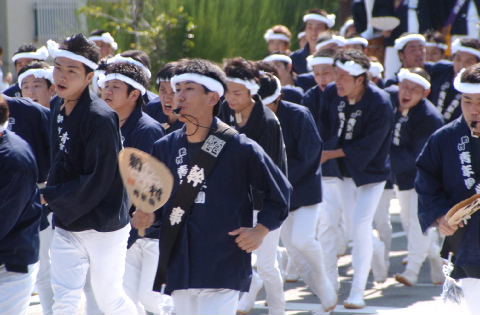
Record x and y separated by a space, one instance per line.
471 96
67 62
415 43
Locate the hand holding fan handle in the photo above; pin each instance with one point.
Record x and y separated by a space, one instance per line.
149 184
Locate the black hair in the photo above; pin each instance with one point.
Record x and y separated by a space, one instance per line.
138 55
25 48
4 111
80 45
241 68
268 86
98 32
356 56
266 67
36 65
471 42
403 35
132 71
421 72
165 73
471 74
325 52
435 37
206 68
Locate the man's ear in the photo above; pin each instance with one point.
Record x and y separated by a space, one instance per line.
89 77
426 93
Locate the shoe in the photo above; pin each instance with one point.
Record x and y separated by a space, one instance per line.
407 278
405 261
436 270
355 300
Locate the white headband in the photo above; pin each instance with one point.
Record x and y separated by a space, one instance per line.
40 54
339 40
210 83
4 126
438 45
356 41
405 74
106 38
117 76
346 25
463 87
55 52
39 73
300 35
278 57
376 69
314 61
351 67
270 99
119 58
457 46
329 19
401 42
251 85
271 35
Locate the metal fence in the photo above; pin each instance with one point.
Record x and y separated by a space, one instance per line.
55 19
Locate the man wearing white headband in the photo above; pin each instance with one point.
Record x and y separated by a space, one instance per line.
105 42
122 89
414 122
447 169
466 52
143 58
299 231
22 57
20 219
84 188
411 52
259 123
161 108
357 119
211 262
436 46
316 22
322 65
278 39
283 65
36 82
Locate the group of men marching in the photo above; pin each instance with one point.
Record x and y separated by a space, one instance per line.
291 160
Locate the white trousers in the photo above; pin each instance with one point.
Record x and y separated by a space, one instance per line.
419 245
299 237
269 272
328 232
140 269
383 223
44 285
471 293
74 254
205 301
16 289
360 204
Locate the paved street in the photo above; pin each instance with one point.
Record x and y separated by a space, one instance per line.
389 298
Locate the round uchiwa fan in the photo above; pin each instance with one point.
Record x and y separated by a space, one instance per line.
385 23
463 210
148 181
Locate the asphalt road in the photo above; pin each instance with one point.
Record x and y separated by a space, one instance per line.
389 298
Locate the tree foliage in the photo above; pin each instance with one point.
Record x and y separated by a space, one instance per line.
213 29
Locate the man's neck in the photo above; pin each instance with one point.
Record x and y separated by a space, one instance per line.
356 95
71 101
124 112
245 114
312 47
287 79
198 132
